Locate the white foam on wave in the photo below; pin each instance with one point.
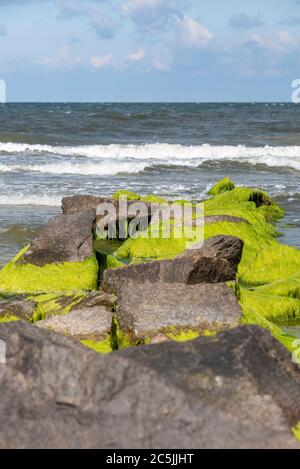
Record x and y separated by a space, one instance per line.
149 154
91 169
23 199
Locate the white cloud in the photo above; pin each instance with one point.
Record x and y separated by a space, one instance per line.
64 59
135 56
194 34
102 61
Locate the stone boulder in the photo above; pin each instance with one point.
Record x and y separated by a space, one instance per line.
83 324
220 247
150 312
237 390
82 203
17 308
88 319
66 238
216 262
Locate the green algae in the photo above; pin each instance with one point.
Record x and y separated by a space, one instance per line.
103 347
7 319
19 278
183 336
268 286
296 431
225 185
54 304
115 340
113 263
124 193
133 196
151 248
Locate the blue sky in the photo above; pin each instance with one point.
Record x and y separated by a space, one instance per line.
149 50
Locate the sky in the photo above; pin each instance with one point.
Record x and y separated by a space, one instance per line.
149 50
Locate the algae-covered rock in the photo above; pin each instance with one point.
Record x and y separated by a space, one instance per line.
146 311
214 262
11 310
66 238
53 304
237 390
60 259
225 185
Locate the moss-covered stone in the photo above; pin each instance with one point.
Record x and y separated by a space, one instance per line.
16 278
269 279
225 185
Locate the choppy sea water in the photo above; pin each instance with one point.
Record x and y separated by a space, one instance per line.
48 151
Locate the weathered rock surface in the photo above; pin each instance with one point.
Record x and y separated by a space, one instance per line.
92 323
220 247
236 390
148 311
22 309
244 372
215 262
82 203
66 238
88 319
224 218
96 298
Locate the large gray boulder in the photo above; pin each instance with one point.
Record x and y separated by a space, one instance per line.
214 262
151 312
66 238
236 390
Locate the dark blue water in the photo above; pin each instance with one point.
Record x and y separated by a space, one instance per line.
48 151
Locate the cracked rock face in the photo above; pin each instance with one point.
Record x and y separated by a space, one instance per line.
57 394
150 310
66 238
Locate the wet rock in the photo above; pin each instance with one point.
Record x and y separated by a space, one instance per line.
21 309
66 238
215 262
146 311
236 390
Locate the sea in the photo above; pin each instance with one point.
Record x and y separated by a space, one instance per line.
48 151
